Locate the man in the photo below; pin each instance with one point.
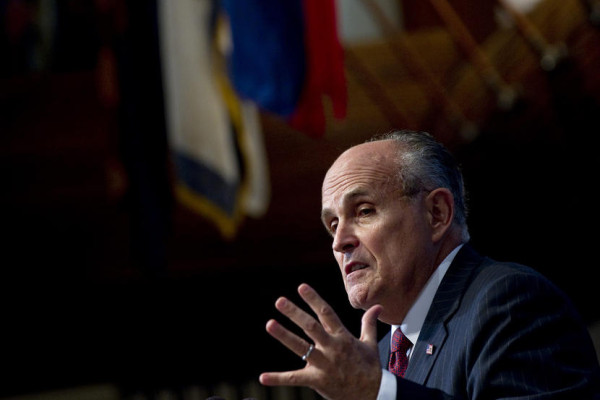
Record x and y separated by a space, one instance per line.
474 328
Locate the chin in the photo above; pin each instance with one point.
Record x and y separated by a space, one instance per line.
359 298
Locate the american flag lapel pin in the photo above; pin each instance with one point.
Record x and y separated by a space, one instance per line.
429 349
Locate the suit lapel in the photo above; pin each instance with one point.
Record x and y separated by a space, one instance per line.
445 303
384 350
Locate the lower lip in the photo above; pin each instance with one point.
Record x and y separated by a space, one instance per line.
356 274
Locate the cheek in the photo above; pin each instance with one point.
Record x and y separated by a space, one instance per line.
392 252
383 244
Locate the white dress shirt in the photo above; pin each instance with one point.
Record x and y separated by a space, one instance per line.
413 322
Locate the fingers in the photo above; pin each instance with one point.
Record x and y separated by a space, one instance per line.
368 331
288 378
304 320
340 365
327 316
290 340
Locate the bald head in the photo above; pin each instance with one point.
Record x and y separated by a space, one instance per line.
368 161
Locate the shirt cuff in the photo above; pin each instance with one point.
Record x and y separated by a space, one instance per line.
388 386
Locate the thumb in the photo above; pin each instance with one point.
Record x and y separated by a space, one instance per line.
368 330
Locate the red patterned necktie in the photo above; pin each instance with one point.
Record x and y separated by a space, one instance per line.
398 358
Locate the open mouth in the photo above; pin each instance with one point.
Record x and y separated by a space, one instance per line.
353 267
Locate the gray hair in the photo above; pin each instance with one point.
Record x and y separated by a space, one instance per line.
425 164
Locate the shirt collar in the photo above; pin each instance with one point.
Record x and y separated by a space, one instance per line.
413 322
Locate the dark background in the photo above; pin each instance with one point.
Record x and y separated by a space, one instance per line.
106 278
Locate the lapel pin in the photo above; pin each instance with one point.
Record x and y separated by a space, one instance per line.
429 350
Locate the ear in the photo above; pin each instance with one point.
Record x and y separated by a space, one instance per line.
440 208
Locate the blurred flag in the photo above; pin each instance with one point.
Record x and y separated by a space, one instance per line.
325 68
267 62
216 139
286 57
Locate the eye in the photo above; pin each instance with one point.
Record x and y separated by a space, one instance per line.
365 211
333 226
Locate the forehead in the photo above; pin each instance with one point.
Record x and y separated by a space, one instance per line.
362 168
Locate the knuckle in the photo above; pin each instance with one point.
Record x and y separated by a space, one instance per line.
312 325
293 379
326 311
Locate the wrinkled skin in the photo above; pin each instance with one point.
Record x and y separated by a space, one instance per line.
334 347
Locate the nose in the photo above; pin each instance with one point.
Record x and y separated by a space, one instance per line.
344 239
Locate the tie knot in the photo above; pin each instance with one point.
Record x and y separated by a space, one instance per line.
400 342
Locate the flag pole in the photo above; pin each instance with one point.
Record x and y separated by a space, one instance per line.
376 91
505 94
404 51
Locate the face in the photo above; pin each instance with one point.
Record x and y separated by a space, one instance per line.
381 239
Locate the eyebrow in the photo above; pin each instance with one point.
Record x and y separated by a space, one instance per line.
346 198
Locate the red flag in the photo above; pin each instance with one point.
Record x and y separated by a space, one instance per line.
325 69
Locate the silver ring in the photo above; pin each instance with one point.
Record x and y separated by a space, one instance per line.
310 349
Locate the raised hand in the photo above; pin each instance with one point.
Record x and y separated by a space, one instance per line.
338 366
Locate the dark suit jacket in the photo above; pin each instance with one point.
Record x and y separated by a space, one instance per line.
499 330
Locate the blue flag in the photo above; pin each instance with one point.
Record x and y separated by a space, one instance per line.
268 63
